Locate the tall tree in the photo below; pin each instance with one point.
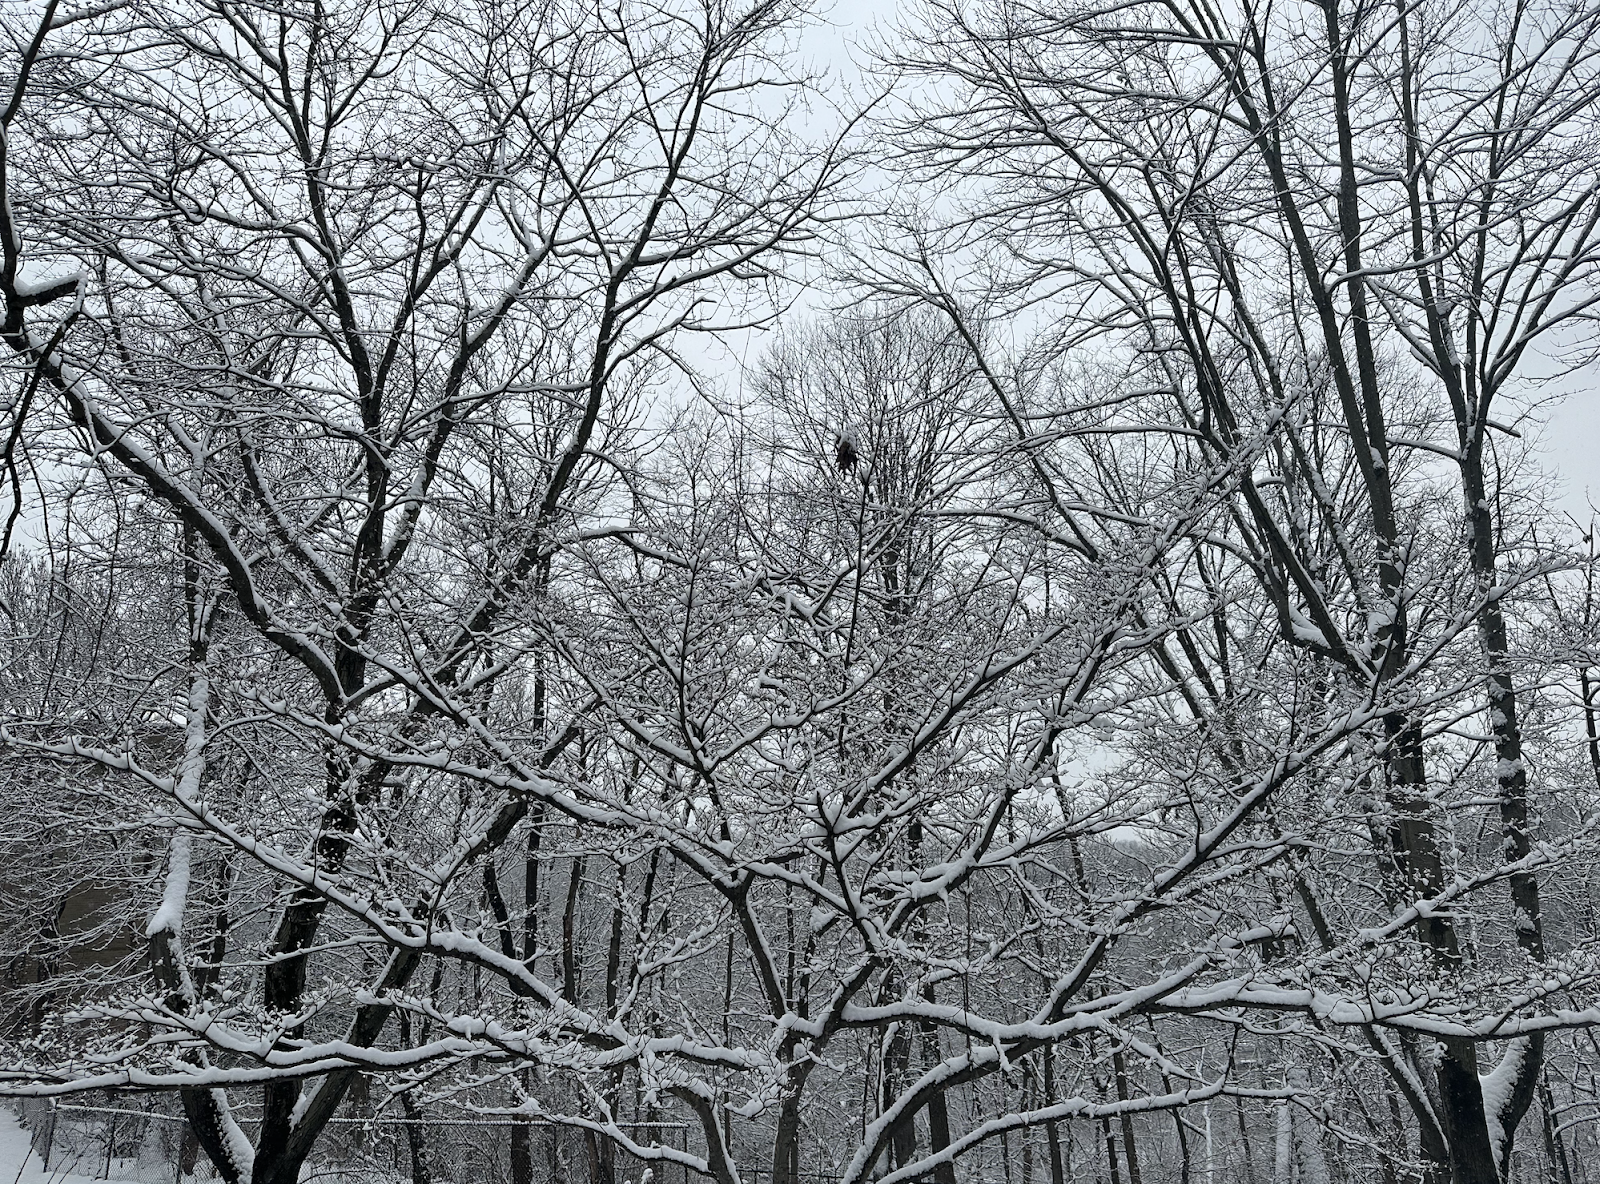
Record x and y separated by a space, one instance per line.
1278 201
361 295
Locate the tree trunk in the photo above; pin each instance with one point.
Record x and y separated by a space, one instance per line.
417 1141
571 971
897 1065
786 1144
1511 782
1129 1145
1111 1150
1052 1132
1555 1149
1414 842
522 1154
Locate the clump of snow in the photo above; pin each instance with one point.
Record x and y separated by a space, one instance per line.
174 898
240 1150
1497 1085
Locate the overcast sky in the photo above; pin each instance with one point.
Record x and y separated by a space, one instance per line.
1570 437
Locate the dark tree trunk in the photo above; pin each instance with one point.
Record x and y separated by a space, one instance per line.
1129 1144
522 1154
1111 1150
786 1144
417 1141
1052 1131
1555 1149
571 971
897 1065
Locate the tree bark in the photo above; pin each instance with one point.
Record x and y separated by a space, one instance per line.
1130 1146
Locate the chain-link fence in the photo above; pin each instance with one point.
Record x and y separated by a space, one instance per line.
146 1140
142 1141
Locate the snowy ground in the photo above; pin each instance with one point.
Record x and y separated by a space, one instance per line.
19 1164
70 1164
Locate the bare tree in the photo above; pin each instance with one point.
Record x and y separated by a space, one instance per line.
1074 706
1268 204
362 296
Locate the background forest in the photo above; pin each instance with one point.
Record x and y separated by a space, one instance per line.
1100 690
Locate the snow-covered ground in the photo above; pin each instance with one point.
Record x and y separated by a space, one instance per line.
84 1161
20 1165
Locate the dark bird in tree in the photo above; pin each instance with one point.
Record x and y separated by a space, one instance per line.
845 454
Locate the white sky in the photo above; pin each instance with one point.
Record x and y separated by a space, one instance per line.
1571 443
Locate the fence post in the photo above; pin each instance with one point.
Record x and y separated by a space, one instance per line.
111 1145
49 1136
